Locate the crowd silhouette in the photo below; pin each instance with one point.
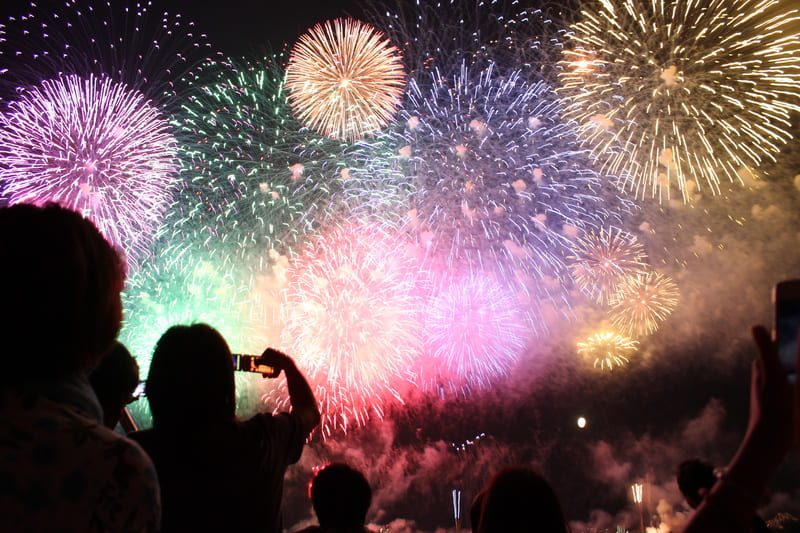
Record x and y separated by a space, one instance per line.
63 467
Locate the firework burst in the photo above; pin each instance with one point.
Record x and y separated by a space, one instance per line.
474 333
95 146
607 349
604 260
345 79
352 320
496 178
643 303
676 94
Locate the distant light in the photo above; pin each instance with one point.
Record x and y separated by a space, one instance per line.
581 422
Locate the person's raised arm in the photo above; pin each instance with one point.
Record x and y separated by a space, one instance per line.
301 397
732 502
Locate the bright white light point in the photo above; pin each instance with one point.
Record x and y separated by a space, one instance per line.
581 422
670 76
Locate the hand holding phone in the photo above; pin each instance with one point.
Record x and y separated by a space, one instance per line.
254 363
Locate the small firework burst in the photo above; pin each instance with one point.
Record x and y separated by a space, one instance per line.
678 94
94 146
352 320
643 303
474 334
607 349
345 79
604 260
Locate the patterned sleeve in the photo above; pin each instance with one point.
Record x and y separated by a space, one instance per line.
132 500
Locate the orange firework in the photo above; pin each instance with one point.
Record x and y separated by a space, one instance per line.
604 260
345 79
643 303
608 349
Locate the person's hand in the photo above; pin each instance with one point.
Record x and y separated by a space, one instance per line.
772 398
275 359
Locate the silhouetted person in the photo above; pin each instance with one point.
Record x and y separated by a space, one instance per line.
61 469
696 479
218 473
520 500
341 497
114 381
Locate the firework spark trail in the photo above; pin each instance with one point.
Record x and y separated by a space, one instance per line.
147 52
94 146
644 302
439 34
673 95
497 180
474 334
607 349
345 79
603 261
352 320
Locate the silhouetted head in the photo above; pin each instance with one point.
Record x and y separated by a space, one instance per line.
114 381
61 306
191 378
341 496
520 500
695 479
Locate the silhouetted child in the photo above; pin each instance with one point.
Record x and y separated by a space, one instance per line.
341 498
114 381
520 500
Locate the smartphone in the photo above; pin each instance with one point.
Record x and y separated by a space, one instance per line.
251 363
139 391
786 298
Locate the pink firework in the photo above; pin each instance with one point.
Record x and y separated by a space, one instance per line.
474 334
95 146
352 320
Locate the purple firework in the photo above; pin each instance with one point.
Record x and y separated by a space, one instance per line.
95 146
474 333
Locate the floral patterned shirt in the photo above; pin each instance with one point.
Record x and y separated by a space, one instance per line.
62 470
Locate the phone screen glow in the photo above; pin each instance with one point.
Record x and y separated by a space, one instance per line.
788 327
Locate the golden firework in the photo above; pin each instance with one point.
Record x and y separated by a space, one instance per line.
676 96
608 349
643 303
345 79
